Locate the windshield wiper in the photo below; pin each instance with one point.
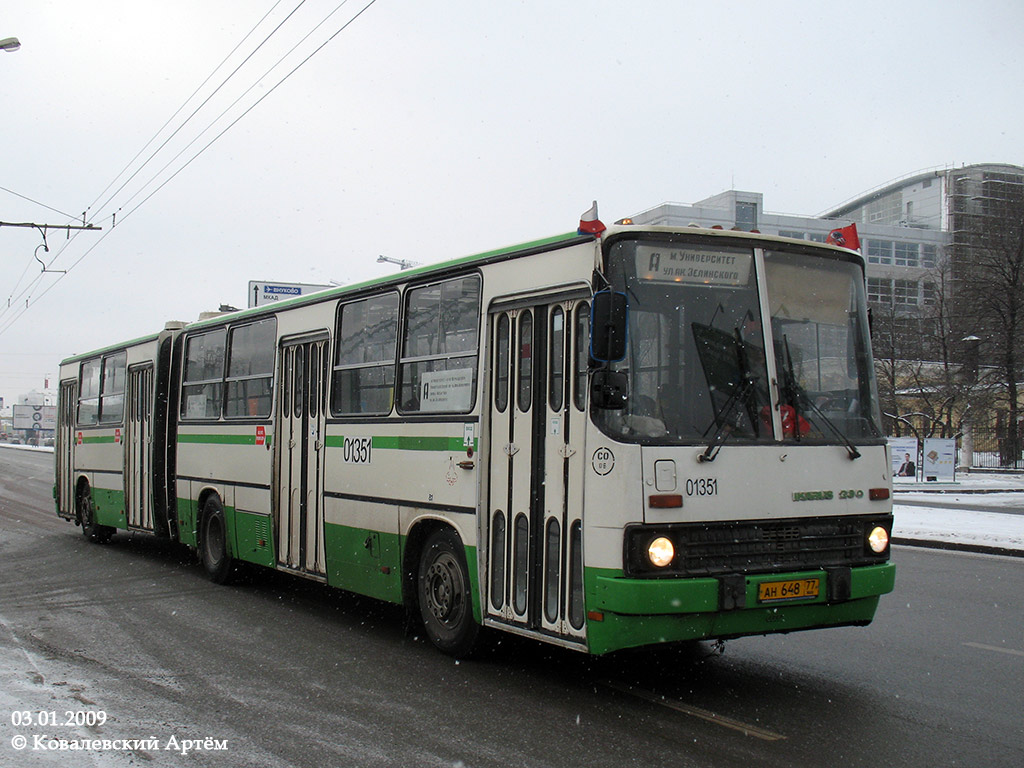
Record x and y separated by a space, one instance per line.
740 394
795 394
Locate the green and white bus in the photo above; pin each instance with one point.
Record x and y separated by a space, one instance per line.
602 440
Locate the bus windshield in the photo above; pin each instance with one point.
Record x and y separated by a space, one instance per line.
821 341
696 362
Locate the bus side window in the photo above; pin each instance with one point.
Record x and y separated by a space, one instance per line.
89 393
112 388
363 381
439 347
251 369
203 387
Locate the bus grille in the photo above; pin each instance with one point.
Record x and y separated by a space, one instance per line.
757 546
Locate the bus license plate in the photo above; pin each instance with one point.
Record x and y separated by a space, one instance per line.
795 589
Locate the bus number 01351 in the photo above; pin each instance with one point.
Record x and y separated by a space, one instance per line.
356 450
702 486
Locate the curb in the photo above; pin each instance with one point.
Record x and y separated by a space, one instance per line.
981 549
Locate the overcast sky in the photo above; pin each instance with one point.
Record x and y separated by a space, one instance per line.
427 131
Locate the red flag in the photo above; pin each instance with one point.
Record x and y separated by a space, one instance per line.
589 223
845 237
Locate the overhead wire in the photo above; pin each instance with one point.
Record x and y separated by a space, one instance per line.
192 96
31 300
232 105
203 104
32 259
11 298
36 202
14 300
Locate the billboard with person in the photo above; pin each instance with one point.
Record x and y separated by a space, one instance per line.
903 451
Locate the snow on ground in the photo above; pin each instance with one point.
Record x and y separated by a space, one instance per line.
950 527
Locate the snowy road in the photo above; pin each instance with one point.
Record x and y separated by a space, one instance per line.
281 672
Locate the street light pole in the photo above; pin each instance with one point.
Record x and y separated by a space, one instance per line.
10 44
402 263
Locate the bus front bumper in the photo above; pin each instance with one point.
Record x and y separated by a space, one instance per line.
626 612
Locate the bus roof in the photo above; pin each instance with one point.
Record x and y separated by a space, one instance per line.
520 249
328 293
111 347
512 251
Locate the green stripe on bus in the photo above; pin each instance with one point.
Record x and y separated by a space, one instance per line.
407 443
385 442
97 439
220 439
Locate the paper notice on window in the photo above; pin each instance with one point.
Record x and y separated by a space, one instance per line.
693 265
446 390
195 406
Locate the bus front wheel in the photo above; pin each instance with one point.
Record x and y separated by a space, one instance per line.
213 549
87 518
444 596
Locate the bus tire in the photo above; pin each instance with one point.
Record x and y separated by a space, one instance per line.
86 514
213 542
444 595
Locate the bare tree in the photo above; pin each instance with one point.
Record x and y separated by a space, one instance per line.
920 363
889 341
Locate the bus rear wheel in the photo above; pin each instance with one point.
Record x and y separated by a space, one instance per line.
444 595
86 513
213 550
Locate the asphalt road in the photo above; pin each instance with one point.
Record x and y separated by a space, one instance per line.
281 672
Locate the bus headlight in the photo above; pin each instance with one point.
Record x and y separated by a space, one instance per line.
661 552
878 539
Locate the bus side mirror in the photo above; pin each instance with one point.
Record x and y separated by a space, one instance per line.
608 324
608 390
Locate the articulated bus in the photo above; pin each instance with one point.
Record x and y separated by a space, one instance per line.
601 440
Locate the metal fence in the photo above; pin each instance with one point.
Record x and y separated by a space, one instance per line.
993 447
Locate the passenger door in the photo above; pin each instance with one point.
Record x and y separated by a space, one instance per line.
66 446
535 500
299 498
138 449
